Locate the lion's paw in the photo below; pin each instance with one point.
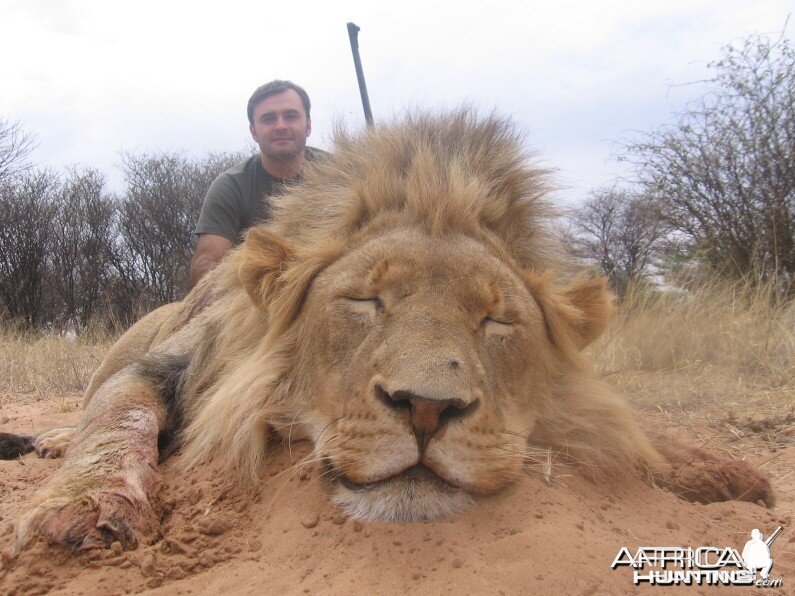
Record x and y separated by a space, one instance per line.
54 443
94 519
704 477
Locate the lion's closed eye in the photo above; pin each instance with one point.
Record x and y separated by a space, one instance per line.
496 322
369 305
497 328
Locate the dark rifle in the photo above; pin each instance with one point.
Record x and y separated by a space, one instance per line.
353 34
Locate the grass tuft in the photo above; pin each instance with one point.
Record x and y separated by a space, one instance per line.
49 363
741 330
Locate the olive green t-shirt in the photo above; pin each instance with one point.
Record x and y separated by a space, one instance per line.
240 197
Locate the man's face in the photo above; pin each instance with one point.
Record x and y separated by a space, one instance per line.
280 126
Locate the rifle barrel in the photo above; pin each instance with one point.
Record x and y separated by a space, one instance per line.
353 35
772 538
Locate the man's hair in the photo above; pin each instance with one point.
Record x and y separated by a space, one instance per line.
272 88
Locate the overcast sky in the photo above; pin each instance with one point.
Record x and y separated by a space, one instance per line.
91 78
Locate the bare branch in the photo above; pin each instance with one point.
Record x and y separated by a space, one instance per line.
15 147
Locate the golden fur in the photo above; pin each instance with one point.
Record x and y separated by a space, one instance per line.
407 311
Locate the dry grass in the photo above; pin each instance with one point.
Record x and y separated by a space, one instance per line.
50 363
715 365
742 331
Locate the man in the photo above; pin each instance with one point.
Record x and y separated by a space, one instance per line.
279 122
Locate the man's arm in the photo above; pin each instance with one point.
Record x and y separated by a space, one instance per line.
220 222
210 249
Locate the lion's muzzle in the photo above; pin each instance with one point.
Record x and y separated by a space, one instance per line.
426 414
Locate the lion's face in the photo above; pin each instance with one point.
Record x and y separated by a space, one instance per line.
415 318
423 357
414 329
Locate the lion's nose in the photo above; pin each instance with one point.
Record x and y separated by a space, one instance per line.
427 415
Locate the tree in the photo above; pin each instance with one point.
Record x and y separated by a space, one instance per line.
26 213
723 175
71 252
82 243
15 146
619 232
157 215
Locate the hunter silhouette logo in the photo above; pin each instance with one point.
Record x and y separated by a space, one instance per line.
756 552
704 565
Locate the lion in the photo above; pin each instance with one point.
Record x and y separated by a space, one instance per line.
408 311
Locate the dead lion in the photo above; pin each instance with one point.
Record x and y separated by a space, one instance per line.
406 311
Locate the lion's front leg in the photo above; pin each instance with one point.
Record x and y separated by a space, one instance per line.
101 493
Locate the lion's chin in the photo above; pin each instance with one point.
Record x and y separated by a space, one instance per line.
413 495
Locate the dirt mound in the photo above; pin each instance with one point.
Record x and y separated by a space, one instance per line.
284 536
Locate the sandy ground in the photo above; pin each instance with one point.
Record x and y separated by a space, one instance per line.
285 537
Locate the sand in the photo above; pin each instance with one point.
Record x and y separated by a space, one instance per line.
559 537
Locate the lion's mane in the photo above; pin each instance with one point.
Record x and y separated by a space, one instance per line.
443 173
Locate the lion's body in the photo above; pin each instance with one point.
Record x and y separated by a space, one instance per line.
407 311
144 335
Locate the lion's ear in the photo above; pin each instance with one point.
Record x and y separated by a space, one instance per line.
595 304
264 256
575 314
277 274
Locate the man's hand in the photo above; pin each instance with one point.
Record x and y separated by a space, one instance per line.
210 249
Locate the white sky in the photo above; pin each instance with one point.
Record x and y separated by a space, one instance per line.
90 78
